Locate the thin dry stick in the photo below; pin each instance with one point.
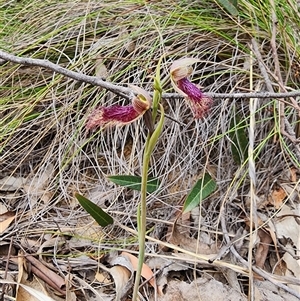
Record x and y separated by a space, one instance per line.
4 286
126 92
285 127
273 41
261 65
252 175
265 71
93 80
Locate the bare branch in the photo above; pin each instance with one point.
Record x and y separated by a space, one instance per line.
93 80
242 95
126 92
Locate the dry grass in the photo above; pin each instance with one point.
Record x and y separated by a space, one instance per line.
43 115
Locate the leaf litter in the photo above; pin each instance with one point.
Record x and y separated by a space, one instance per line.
46 159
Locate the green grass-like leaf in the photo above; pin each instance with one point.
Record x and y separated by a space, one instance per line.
134 182
202 189
100 216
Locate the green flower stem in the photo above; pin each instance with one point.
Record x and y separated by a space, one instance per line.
157 89
141 215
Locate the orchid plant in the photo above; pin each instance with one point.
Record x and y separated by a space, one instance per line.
142 105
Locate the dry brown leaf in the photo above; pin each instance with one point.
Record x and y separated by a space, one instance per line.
11 183
293 175
181 220
32 244
146 271
47 275
23 294
3 209
49 243
5 220
121 277
277 197
121 272
186 219
257 294
203 289
293 191
287 226
191 244
270 292
100 69
293 268
165 266
101 277
36 187
263 248
32 294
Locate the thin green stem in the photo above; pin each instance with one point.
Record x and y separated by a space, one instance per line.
149 147
142 219
142 208
157 89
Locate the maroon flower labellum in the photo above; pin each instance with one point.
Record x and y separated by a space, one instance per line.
117 115
198 101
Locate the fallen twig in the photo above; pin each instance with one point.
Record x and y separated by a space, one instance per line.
93 80
126 92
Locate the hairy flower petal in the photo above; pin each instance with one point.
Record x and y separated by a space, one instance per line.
199 102
121 115
191 90
112 115
179 72
200 109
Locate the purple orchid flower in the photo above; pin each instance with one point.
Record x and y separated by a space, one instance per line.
198 101
117 115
